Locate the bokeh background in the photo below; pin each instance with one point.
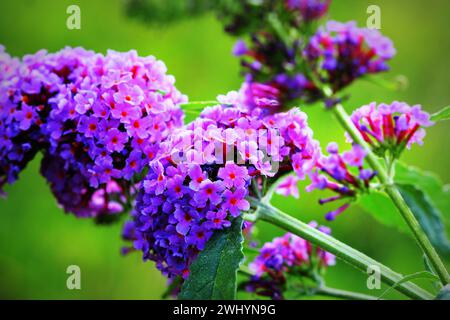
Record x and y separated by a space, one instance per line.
38 241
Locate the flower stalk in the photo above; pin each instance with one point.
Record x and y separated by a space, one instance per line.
342 294
268 213
395 195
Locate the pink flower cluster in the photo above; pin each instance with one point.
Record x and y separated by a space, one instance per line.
391 127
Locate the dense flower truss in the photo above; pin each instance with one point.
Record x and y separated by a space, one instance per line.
286 255
100 119
309 10
200 184
343 174
21 114
342 52
107 122
391 127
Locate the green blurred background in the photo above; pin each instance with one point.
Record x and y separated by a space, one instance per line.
38 241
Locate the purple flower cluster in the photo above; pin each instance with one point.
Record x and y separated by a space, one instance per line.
21 116
285 255
74 194
391 127
309 10
343 174
100 118
179 208
342 52
334 57
201 179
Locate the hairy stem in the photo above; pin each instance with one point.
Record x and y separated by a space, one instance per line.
395 196
346 253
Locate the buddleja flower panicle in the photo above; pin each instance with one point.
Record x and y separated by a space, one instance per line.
391 127
341 53
202 177
333 58
98 118
285 258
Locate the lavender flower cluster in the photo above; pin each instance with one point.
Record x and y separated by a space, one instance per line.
286 255
391 127
99 120
199 184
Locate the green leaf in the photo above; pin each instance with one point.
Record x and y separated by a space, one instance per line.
414 276
428 183
428 216
213 274
444 294
444 114
380 206
437 196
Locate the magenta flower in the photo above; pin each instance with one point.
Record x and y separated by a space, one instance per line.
139 127
26 117
131 95
115 140
198 237
217 220
126 113
209 191
84 101
185 219
233 175
197 177
235 201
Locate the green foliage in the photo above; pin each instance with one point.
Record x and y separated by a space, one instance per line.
213 274
443 114
428 216
425 195
382 209
410 277
428 183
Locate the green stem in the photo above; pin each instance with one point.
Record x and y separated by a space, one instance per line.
346 253
395 195
342 294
